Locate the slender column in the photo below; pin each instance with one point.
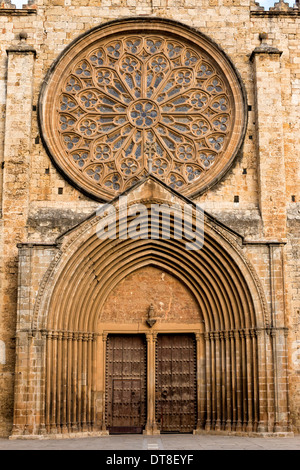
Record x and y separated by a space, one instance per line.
201 398
270 380
75 384
69 381
244 380
151 426
238 381
95 378
59 381
42 429
89 380
64 360
79 381
208 382
286 381
228 367
218 381
233 380
249 365
84 382
275 376
48 381
223 374
213 381
255 380
54 382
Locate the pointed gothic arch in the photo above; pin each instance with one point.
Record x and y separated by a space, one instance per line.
230 331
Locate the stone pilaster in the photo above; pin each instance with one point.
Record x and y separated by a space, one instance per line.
269 138
16 166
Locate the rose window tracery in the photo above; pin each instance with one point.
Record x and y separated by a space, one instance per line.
120 94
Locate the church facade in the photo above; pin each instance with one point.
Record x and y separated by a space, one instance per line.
115 318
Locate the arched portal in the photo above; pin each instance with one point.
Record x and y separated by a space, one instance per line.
214 298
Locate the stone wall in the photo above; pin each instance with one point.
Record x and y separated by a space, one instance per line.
171 300
37 204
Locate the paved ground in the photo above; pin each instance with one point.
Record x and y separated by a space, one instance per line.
156 443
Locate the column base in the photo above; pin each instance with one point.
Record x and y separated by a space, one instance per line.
151 430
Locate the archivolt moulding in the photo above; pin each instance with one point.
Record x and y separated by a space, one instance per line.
72 246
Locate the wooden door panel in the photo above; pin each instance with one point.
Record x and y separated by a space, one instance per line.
126 384
176 399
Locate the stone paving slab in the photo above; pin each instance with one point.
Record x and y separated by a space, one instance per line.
155 443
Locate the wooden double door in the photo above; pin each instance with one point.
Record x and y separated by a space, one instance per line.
175 383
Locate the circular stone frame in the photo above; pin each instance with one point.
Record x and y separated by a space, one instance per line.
49 103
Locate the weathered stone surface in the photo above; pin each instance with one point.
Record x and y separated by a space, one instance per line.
38 205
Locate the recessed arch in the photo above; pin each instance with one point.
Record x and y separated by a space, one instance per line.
96 268
220 278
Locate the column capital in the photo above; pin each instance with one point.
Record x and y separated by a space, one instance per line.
260 331
236 334
265 49
21 48
104 337
151 337
199 336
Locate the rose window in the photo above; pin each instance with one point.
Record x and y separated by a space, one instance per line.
120 93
